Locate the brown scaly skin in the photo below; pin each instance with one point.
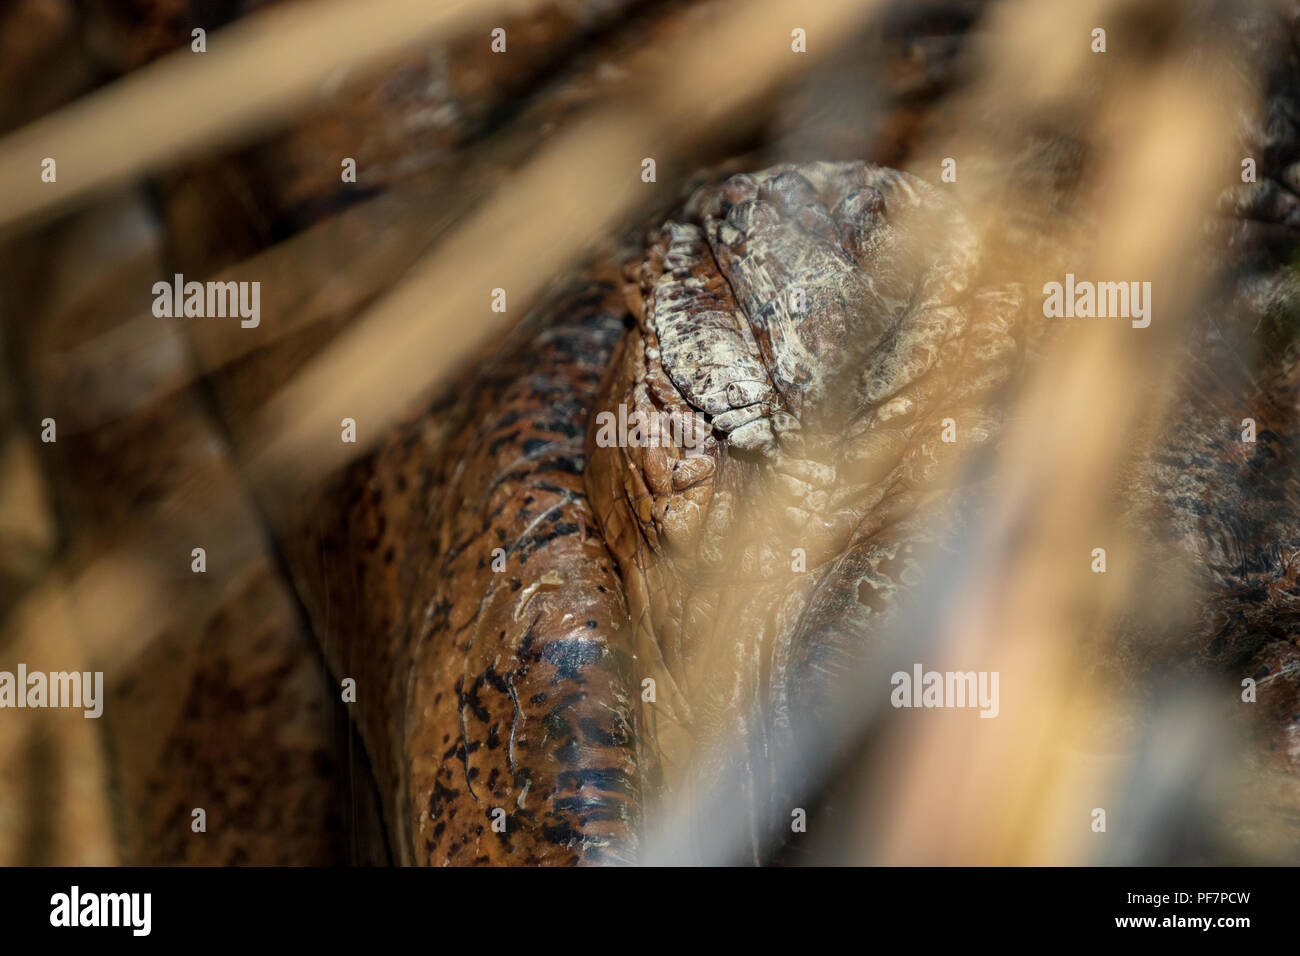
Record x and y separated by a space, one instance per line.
450 655
285 192
505 679
335 596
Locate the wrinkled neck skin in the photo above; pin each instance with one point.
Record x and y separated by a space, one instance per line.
823 320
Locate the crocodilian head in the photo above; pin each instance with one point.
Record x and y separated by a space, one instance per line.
819 321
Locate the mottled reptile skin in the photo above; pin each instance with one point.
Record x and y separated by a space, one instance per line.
504 678
519 689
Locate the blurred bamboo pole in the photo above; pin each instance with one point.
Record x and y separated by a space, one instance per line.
255 71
